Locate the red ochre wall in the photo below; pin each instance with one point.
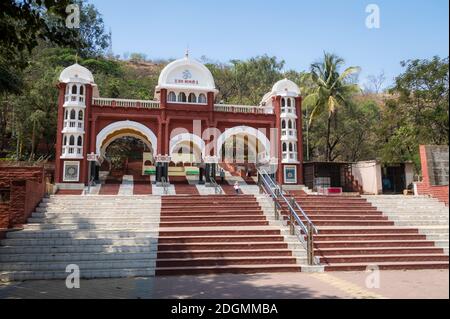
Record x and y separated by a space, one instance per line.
425 187
27 188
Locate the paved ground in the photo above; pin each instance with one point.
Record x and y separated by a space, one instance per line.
392 284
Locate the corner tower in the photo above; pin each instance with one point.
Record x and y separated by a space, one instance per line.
75 94
286 100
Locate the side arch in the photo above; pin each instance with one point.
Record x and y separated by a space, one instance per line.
126 125
190 138
244 130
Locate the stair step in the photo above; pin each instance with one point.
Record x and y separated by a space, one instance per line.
224 261
241 269
388 266
268 253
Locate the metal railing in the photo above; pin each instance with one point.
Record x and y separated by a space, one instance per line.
304 230
217 189
165 185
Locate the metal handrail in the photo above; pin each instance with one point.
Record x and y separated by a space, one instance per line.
306 232
165 185
217 188
295 202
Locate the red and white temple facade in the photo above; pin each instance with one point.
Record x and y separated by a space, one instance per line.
183 114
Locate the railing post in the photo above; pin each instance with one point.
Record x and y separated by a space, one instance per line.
310 244
275 202
291 218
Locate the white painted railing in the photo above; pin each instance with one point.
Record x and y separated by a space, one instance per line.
242 109
126 103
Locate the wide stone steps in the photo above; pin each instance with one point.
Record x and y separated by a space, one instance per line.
392 265
80 234
94 225
325 252
79 242
228 234
238 269
372 244
61 266
267 253
75 257
225 261
106 236
92 220
382 258
86 274
351 241
76 249
211 239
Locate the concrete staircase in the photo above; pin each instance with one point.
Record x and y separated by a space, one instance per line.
429 215
353 234
106 236
222 234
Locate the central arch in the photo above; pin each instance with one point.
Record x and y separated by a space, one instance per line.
188 141
243 131
125 128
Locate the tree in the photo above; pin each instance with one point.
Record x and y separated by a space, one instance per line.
331 90
375 83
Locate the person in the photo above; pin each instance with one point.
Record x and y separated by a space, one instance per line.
222 175
237 188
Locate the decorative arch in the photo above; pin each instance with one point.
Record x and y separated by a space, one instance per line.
244 130
126 125
188 137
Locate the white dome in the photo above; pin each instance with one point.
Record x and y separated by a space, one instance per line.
76 73
186 73
287 87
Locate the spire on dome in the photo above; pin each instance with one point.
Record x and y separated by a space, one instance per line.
186 54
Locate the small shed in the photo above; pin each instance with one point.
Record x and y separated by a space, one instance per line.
329 174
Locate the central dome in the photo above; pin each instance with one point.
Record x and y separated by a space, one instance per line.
186 73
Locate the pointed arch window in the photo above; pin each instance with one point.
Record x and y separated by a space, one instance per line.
80 141
82 90
192 98
202 98
74 89
72 140
182 97
73 115
80 115
172 97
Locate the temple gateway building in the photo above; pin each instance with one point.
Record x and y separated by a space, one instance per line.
183 131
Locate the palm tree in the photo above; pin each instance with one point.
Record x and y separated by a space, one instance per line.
330 91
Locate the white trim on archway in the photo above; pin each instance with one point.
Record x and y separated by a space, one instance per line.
131 125
244 130
188 137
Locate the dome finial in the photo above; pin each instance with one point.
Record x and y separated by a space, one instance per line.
186 53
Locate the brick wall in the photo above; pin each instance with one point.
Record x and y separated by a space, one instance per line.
26 186
426 187
4 216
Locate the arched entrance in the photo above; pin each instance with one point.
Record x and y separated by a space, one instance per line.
125 148
241 148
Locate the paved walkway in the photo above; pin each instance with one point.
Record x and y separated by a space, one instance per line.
392 284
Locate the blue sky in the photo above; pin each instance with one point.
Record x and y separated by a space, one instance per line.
297 31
